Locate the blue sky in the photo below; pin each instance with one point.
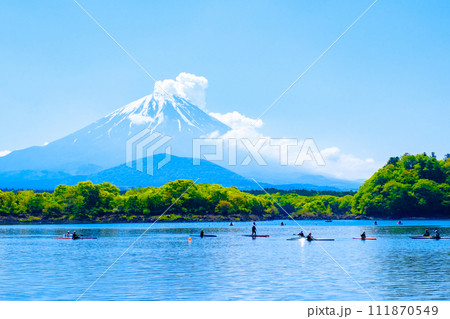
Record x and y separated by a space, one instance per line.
382 90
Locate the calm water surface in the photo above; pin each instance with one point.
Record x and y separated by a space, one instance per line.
165 265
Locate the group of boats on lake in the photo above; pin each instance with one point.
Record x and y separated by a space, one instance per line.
300 236
309 237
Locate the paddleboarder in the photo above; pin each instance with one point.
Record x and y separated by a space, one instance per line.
202 233
363 235
254 229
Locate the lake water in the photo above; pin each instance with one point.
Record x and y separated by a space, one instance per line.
165 265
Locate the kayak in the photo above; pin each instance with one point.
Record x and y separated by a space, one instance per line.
315 239
255 235
367 238
76 238
203 236
427 237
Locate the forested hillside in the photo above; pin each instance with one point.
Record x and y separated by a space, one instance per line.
413 186
410 186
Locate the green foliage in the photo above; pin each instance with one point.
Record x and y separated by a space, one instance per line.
410 186
181 199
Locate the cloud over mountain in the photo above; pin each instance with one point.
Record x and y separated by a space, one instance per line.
187 86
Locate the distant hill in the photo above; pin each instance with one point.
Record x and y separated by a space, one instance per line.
410 186
177 168
126 177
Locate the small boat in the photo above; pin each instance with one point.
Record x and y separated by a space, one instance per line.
428 237
314 239
203 235
328 221
76 238
255 235
367 238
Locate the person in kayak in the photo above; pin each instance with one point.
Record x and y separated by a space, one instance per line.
427 233
231 224
202 233
437 235
309 237
282 224
254 229
375 223
301 234
363 235
68 234
75 235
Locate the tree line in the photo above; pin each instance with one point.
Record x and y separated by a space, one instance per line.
407 186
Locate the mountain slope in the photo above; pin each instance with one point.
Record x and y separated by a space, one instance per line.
126 177
178 168
102 144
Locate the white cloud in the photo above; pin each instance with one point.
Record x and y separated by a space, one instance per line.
346 166
187 86
337 164
241 125
4 153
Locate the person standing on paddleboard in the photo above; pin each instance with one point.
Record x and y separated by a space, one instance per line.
202 233
254 229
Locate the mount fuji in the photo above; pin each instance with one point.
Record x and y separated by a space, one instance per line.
98 152
102 144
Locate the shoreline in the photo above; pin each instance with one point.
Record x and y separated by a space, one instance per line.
187 221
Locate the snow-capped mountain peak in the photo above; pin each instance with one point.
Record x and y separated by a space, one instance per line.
103 143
